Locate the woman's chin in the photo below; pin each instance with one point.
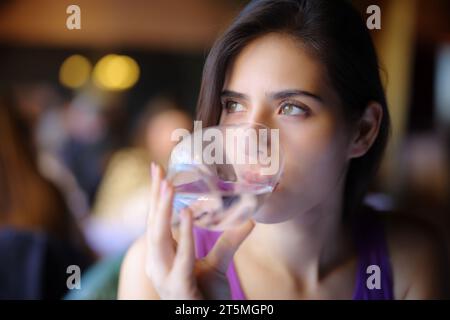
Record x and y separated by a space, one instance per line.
270 214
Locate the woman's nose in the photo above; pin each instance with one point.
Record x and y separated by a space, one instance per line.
261 114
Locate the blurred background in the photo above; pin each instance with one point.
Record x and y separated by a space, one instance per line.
83 112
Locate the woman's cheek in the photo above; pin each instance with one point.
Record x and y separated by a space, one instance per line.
312 153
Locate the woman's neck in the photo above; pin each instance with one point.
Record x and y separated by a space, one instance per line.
306 247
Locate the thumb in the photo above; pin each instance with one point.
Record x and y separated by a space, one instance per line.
227 244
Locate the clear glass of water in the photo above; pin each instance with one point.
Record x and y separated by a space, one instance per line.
224 173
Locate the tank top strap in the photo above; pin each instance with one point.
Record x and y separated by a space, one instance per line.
374 279
204 242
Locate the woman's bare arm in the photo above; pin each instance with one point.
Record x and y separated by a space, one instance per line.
133 281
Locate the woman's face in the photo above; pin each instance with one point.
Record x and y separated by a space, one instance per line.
275 81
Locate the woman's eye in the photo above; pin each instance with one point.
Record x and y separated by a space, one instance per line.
292 110
233 106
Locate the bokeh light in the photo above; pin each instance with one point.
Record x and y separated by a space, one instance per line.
116 72
75 71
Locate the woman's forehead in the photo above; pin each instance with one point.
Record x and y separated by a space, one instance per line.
276 62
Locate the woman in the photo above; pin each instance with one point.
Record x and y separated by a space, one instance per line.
308 68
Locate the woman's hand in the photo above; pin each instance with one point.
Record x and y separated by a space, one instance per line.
172 268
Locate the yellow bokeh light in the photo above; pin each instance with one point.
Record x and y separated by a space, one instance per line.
116 72
75 71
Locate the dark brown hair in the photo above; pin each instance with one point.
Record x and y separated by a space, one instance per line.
336 34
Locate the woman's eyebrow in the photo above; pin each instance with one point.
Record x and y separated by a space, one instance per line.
273 95
234 94
293 92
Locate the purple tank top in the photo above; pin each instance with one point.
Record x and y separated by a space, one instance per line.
372 250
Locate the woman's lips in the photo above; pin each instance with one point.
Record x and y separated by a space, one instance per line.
256 178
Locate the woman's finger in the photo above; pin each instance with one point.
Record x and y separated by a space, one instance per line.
154 192
162 219
185 257
227 244
161 249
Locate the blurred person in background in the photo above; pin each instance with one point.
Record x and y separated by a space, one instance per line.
165 117
121 206
94 130
52 133
39 238
122 199
426 181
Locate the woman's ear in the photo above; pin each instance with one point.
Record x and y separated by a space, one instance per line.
366 130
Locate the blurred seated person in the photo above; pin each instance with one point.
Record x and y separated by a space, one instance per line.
39 238
120 207
120 210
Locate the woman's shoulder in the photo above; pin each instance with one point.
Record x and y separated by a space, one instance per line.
418 257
